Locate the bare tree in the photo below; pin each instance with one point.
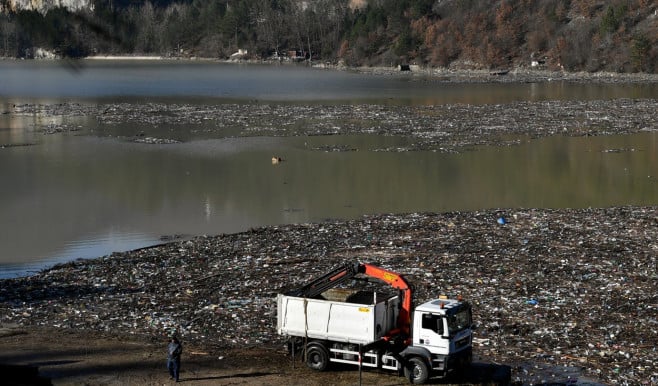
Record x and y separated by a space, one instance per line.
7 33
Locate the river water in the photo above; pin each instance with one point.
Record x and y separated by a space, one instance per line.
79 195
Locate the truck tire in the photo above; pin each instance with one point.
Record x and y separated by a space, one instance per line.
416 371
317 358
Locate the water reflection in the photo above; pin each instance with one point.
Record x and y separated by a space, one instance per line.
108 195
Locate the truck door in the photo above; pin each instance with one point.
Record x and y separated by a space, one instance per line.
429 332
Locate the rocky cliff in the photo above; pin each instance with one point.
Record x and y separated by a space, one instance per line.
44 6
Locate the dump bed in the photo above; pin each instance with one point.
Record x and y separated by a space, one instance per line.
360 320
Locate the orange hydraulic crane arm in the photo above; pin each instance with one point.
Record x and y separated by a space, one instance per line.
329 280
397 281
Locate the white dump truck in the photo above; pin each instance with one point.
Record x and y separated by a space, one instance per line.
326 324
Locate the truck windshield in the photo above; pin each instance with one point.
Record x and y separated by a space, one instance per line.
459 321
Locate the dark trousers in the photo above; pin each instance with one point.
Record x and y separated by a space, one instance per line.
173 365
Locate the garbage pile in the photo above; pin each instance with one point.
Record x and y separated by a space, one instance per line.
562 288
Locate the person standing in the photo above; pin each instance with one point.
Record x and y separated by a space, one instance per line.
174 351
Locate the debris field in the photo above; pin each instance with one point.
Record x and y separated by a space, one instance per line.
441 128
574 288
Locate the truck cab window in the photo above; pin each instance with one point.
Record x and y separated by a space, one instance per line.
433 322
460 321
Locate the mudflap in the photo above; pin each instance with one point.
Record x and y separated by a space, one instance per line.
295 346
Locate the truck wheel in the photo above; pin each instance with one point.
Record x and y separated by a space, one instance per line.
416 371
317 358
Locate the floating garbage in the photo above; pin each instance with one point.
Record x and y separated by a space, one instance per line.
558 295
460 125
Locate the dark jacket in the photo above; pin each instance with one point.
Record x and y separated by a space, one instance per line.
174 350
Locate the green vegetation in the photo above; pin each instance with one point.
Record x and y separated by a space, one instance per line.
575 35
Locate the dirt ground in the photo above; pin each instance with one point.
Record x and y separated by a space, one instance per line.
68 357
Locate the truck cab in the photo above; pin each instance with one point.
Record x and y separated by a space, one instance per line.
442 335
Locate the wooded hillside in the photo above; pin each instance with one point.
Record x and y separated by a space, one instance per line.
574 35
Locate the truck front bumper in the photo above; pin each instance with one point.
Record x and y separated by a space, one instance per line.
443 364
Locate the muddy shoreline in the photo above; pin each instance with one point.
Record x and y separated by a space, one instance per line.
515 75
454 75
